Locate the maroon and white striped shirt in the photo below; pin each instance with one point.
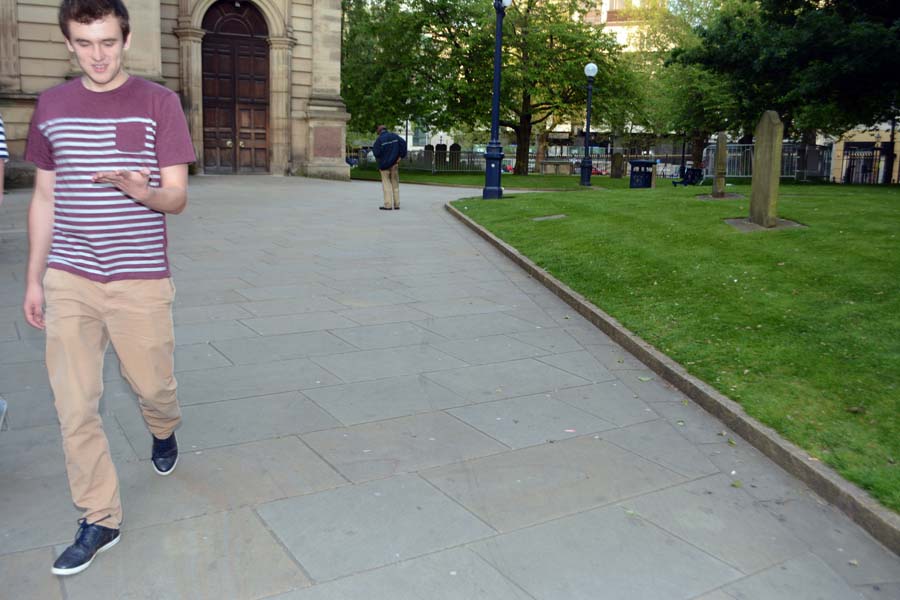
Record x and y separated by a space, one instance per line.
99 232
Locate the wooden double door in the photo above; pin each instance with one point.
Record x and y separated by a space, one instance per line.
235 90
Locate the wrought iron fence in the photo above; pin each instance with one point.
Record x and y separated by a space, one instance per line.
739 162
562 162
862 166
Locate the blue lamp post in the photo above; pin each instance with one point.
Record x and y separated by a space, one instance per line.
493 155
590 70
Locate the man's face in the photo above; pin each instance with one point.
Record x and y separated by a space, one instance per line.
100 51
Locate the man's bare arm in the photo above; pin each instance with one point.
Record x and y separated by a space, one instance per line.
40 236
170 197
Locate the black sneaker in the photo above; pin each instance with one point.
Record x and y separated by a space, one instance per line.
90 540
165 455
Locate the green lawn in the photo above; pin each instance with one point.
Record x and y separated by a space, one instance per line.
801 326
542 182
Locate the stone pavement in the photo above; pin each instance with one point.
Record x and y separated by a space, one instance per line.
379 406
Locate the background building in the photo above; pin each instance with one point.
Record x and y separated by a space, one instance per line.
259 80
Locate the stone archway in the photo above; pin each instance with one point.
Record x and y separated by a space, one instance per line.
190 33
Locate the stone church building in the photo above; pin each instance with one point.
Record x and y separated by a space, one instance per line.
259 80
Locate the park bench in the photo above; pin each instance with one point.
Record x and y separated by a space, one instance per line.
692 176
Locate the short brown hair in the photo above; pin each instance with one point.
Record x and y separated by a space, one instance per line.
88 11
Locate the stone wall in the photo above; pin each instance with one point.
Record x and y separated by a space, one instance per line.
308 123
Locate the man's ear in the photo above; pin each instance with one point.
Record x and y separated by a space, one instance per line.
69 45
127 41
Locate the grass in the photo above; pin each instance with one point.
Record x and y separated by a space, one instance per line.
800 326
509 181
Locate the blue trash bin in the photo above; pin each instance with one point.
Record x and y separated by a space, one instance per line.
641 173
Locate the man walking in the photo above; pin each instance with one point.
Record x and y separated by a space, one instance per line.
111 152
389 148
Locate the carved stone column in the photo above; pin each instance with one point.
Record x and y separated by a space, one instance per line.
144 56
9 47
280 49
190 40
326 113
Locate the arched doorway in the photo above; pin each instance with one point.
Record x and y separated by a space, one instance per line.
235 89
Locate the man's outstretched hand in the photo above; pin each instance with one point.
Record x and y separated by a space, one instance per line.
135 184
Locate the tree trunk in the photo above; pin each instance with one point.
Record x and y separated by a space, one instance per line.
541 150
523 141
698 144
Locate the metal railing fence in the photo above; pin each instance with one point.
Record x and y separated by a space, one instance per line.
739 162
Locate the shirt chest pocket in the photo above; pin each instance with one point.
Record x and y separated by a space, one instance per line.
131 137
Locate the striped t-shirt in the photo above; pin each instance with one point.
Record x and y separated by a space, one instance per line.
99 232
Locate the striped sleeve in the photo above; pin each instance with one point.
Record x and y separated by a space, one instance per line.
4 151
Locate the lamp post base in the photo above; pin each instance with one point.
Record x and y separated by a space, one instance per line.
493 158
586 168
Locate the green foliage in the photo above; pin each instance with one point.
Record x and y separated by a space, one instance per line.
800 326
826 65
433 60
383 77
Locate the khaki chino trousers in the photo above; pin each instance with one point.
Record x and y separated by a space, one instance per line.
390 184
82 317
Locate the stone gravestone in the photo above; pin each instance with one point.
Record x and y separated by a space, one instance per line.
455 151
721 164
440 157
617 169
766 169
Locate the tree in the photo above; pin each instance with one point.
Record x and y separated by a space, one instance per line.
676 98
822 64
384 77
545 47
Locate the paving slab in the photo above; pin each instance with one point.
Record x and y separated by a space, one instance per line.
388 335
581 363
384 314
202 333
604 553
661 443
802 578
244 381
353 529
220 479
363 402
505 380
721 520
203 557
833 537
290 306
385 448
611 401
528 486
26 576
457 574
281 347
473 326
37 451
234 421
311 321
386 362
37 512
530 420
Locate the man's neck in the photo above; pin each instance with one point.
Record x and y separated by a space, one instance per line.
114 84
